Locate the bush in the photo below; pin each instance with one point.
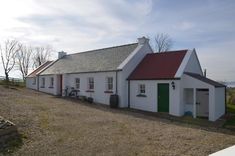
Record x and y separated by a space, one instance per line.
233 101
231 96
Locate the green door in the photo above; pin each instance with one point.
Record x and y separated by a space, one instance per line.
163 97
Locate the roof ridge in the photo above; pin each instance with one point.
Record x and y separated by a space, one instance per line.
171 51
88 51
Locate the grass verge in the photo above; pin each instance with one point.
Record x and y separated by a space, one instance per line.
12 145
230 119
231 108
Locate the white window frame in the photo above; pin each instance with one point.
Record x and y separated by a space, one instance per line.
91 83
77 83
109 83
142 89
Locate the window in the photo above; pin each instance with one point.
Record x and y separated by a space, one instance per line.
43 82
109 83
77 83
141 89
51 82
34 80
91 83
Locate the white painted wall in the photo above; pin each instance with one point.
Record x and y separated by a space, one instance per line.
188 100
133 60
219 102
193 64
100 85
47 88
149 103
29 83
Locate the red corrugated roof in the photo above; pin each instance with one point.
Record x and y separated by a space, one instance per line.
158 66
40 68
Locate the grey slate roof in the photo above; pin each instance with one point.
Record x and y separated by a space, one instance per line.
107 59
204 79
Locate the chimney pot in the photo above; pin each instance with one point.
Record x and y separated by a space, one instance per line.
204 74
61 54
143 40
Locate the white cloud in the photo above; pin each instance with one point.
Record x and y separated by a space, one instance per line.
70 25
75 26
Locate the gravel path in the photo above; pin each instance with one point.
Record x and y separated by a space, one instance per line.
55 126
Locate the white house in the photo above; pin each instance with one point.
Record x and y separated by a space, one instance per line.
158 82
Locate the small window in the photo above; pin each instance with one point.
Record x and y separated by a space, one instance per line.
51 82
141 89
77 83
109 83
91 83
34 80
43 82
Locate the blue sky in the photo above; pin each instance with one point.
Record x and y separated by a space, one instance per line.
74 26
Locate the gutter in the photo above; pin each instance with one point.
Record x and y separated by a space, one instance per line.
82 72
176 78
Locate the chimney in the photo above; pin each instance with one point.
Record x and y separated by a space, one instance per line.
61 54
143 40
204 74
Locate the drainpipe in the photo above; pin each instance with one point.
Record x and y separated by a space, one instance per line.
128 93
116 83
194 103
225 98
37 82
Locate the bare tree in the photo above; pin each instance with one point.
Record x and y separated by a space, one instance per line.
24 59
41 55
163 42
8 53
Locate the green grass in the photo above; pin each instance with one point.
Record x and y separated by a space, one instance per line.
230 123
12 83
231 108
230 118
12 145
230 95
